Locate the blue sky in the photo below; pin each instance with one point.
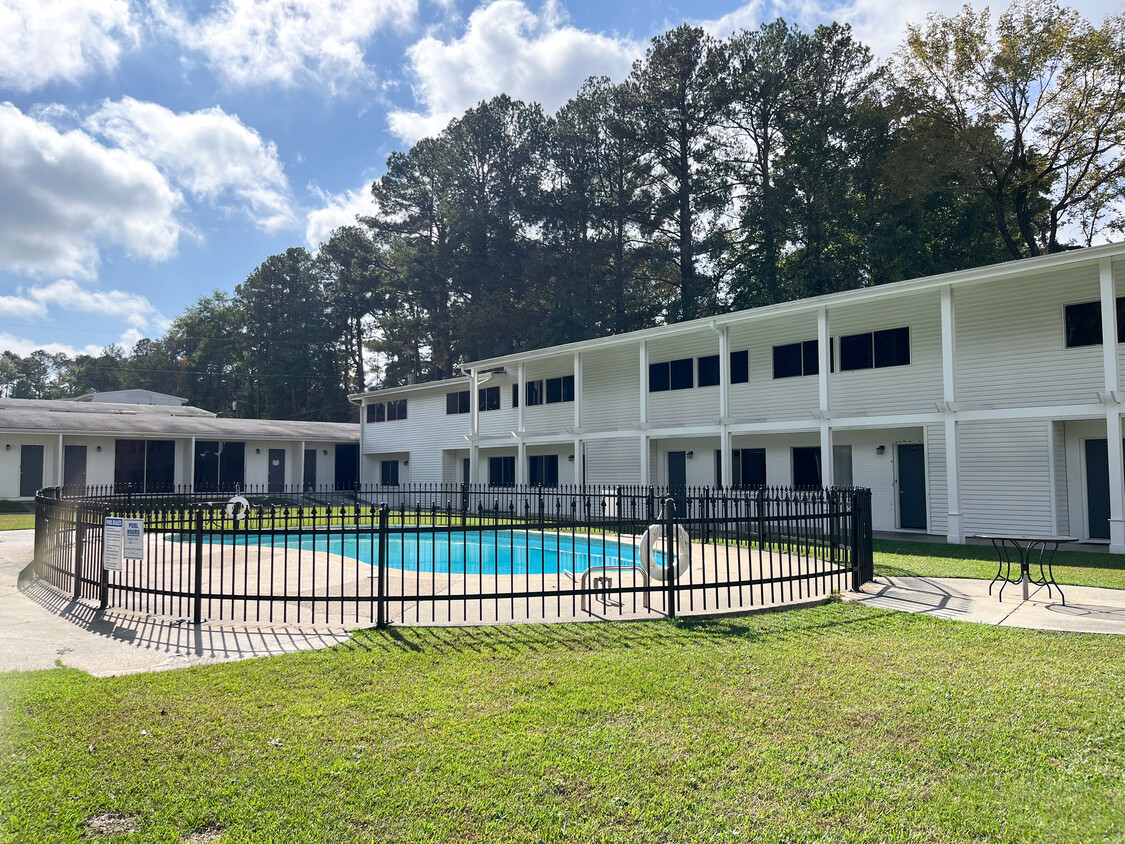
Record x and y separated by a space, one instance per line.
153 152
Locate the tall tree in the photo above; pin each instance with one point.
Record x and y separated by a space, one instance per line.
1038 107
355 288
679 121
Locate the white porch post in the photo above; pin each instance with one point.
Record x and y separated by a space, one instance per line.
726 457
578 379
521 446
1112 409
59 463
474 429
643 413
191 467
955 527
301 466
827 477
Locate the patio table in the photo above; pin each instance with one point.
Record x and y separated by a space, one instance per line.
1011 548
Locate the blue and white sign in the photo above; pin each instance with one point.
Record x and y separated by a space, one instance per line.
134 545
113 538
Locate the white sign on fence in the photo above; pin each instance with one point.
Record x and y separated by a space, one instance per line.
113 539
134 547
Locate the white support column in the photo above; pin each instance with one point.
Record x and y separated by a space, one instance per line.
726 457
521 389
578 463
646 473
301 466
191 467
642 403
823 338
955 528
59 464
521 462
1112 409
577 390
474 429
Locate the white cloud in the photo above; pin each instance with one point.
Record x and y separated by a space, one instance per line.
23 346
65 194
132 308
288 42
337 210
506 48
43 41
210 153
19 307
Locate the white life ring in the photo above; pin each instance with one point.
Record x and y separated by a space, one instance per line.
237 508
653 541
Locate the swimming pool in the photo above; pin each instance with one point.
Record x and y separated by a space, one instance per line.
460 552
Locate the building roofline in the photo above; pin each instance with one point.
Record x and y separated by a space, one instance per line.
976 275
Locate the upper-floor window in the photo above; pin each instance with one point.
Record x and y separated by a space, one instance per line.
488 398
707 369
1084 323
796 359
672 375
551 391
457 402
388 411
875 349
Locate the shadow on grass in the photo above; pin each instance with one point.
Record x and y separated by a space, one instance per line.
616 636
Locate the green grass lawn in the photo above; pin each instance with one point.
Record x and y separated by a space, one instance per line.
14 515
836 724
905 558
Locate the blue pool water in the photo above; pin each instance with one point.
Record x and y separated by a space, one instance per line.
462 552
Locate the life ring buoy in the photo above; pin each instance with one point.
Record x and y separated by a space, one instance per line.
237 508
652 543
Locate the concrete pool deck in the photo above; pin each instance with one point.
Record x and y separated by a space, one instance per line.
39 628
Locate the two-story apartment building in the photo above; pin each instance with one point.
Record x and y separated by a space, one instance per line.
978 401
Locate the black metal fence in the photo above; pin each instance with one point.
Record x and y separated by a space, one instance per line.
453 554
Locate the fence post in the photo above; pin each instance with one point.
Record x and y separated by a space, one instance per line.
197 609
381 600
79 546
669 551
863 560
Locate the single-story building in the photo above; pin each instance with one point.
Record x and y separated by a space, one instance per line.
157 445
977 401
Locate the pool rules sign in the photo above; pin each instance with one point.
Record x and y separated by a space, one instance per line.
124 539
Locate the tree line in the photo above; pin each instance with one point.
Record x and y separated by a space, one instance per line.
722 173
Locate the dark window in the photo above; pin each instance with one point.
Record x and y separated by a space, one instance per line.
892 347
810 356
739 367
708 371
748 465
389 472
206 466
543 470
501 471
787 361
160 464
658 378
1084 323
878 349
232 466
806 466
534 393
457 402
515 395
560 389
129 465
856 352
380 412
371 412
682 374
396 410
488 398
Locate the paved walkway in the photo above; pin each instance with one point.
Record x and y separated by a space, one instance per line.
41 629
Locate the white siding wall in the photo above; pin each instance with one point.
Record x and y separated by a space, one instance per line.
874 470
422 435
938 479
613 461
894 389
766 397
1062 503
1011 345
10 462
1076 433
547 418
611 387
1005 477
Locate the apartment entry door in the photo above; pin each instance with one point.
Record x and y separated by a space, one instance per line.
276 476
31 470
677 480
911 486
1097 488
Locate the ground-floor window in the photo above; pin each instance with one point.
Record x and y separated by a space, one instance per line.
388 472
748 465
144 464
543 470
502 471
806 466
219 466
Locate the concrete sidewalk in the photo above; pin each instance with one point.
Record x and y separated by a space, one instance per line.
39 628
1087 610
